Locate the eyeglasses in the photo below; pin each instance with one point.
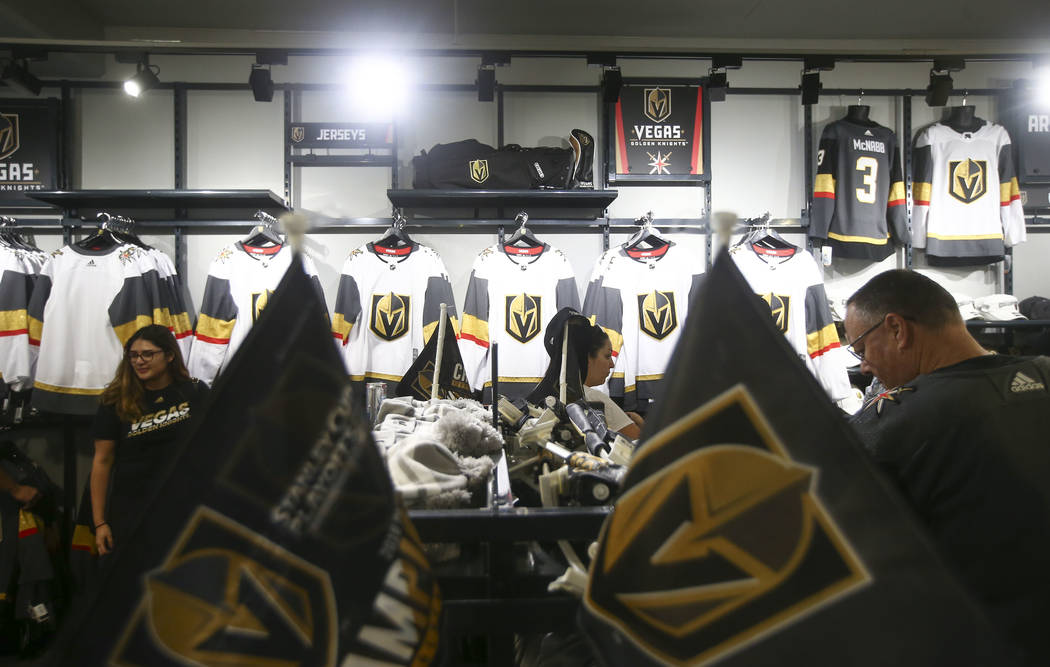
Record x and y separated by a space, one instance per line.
145 355
852 347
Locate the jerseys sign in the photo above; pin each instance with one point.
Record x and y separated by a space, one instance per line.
660 132
341 135
28 148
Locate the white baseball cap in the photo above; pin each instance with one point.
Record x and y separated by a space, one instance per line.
998 307
966 307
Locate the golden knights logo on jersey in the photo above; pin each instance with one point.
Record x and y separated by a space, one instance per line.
259 301
721 545
657 315
657 104
524 316
967 179
479 170
228 596
780 309
390 315
9 135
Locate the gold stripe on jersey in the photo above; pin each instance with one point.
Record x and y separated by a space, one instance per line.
1009 191
648 378
181 322
15 321
974 237
126 330
818 341
36 328
55 389
514 379
475 329
84 539
376 376
616 338
212 327
921 192
341 327
858 239
824 183
896 192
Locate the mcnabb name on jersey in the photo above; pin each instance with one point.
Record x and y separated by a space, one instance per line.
869 145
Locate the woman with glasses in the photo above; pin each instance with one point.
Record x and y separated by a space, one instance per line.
144 411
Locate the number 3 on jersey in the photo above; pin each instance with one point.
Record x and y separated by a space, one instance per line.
870 167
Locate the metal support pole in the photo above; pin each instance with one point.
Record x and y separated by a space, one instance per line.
499 116
65 175
807 181
181 138
907 142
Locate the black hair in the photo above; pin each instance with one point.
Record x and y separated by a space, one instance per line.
908 294
587 342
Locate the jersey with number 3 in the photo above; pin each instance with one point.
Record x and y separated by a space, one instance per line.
240 281
858 194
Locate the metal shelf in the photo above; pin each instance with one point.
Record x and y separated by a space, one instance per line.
122 200
597 200
1008 324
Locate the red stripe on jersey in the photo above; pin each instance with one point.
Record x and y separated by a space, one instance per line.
209 339
514 250
824 195
621 140
698 128
28 531
897 202
829 346
1012 200
183 334
14 332
920 202
80 547
392 251
34 341
482 343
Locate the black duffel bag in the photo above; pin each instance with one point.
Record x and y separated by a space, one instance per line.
472 164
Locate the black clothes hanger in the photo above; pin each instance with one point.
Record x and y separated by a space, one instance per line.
104 237
265 233
10 236
648 237
522 238
396 236
762 236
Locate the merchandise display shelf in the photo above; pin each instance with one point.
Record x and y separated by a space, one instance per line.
594 200
120 200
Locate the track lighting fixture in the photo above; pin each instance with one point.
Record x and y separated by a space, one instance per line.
18 77
940 88
261 84
144 79
612 82
718 80
486 83
812 66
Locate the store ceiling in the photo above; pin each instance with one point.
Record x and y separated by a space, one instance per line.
556 20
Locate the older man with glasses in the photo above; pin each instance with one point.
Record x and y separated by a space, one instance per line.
965 435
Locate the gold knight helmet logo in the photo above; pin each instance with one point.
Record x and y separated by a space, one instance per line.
657 104
259 301
228 596
523 316
9 135
967 179
724 543
780 309
298 133
390 315
479 170
657 315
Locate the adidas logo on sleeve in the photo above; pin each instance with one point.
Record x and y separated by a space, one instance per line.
1022 383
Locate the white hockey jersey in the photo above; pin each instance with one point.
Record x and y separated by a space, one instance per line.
387 306
18 271
641 299
967 201
790 283
239 284
84 307
512 294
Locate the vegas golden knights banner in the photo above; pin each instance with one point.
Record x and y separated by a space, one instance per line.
452 382
275 538
753 529
660 133
28 149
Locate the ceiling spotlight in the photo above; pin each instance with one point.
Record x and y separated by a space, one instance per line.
612 82
144 79
261 84
18 77
717 80
486 83
940 88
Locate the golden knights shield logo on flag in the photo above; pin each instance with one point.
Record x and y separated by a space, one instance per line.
9 135
657 315
706 518
780 309
967 179
657 104
298 133
390 315
523 316
226 595
479 170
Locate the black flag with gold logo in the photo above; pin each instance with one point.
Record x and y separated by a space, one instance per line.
275 538
452 383
752 528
